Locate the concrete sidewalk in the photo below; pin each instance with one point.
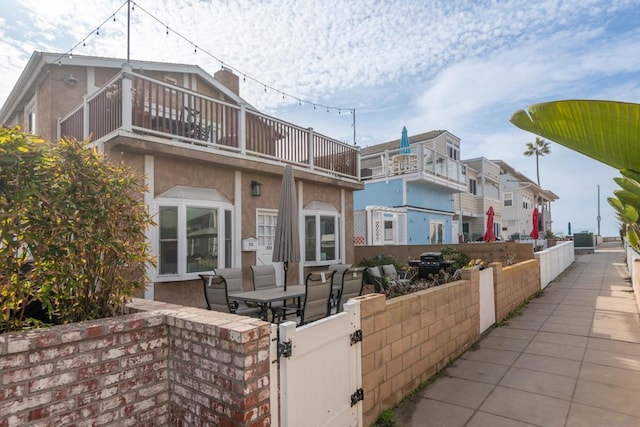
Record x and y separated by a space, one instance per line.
571 357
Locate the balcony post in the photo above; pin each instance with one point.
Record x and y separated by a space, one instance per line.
242 128
127 98
311 148
420 153
85 118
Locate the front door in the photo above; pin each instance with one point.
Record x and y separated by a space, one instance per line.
266 230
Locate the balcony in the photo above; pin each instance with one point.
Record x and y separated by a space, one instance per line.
417 163
142 105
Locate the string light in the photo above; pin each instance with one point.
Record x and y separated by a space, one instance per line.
195 51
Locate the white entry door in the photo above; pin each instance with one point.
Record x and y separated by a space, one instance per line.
266 230
455 231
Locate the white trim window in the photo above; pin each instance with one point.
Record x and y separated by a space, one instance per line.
30 116
193 235
436 232
526 202
321 234
508 199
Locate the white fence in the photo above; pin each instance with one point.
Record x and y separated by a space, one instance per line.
321 371
554 261
633 263
487 300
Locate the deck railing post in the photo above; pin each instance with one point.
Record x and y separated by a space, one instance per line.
242 128
127 97
311 148
420 153
85 118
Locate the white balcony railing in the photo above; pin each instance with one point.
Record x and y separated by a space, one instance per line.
141 104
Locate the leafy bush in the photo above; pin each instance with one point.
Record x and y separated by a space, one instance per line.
72 241
457 258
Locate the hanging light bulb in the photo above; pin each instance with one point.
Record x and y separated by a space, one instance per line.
244 78
70 55
314 106
98 31
265 89
84 44
167 30
114 18
195 49
283 96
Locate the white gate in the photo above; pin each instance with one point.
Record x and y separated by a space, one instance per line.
321 372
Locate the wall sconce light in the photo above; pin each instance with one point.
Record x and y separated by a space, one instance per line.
71 80
255 188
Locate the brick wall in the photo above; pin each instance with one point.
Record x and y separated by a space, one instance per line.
178 366
514 284
408 339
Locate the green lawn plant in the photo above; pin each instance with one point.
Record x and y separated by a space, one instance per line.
72 243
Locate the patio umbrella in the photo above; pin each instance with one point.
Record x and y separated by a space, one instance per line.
489 235
405 147
286 245
534 218
569 229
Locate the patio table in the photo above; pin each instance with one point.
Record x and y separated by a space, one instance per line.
264 297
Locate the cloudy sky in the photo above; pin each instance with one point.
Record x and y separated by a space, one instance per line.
463 66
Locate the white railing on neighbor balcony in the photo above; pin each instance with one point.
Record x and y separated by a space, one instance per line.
144 105
418 158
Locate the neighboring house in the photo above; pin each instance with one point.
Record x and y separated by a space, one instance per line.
484 190
212 163
409 194
520 197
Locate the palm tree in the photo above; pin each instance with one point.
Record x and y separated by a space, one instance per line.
539 148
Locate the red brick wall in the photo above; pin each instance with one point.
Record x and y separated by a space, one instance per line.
178 366
408 339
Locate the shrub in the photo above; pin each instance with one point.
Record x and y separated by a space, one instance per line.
457 258
72 240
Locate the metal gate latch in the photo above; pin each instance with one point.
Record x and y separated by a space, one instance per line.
357 397
285 348
356 337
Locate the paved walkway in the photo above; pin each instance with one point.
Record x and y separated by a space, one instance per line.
569 358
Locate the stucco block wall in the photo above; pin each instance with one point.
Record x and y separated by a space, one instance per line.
514 284
165 365
408 339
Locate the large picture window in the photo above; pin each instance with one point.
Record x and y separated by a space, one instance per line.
321 236
193 236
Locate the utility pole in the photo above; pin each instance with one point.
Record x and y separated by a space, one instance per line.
599 218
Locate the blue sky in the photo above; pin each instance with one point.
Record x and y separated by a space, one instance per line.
463 66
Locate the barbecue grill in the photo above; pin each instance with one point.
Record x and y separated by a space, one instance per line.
430 263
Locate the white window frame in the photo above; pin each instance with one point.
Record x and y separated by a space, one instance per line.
508 197
439 225
526 202
318 214
30 116
182 205
453 150
473 186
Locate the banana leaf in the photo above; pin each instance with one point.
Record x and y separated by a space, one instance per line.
607 131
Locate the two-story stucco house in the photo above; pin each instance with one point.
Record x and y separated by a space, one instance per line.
409 193
520 197
213 164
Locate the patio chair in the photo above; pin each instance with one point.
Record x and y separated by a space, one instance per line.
380 282
317 296
264 276
403 277
217 297
233 277
337 281
352 285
